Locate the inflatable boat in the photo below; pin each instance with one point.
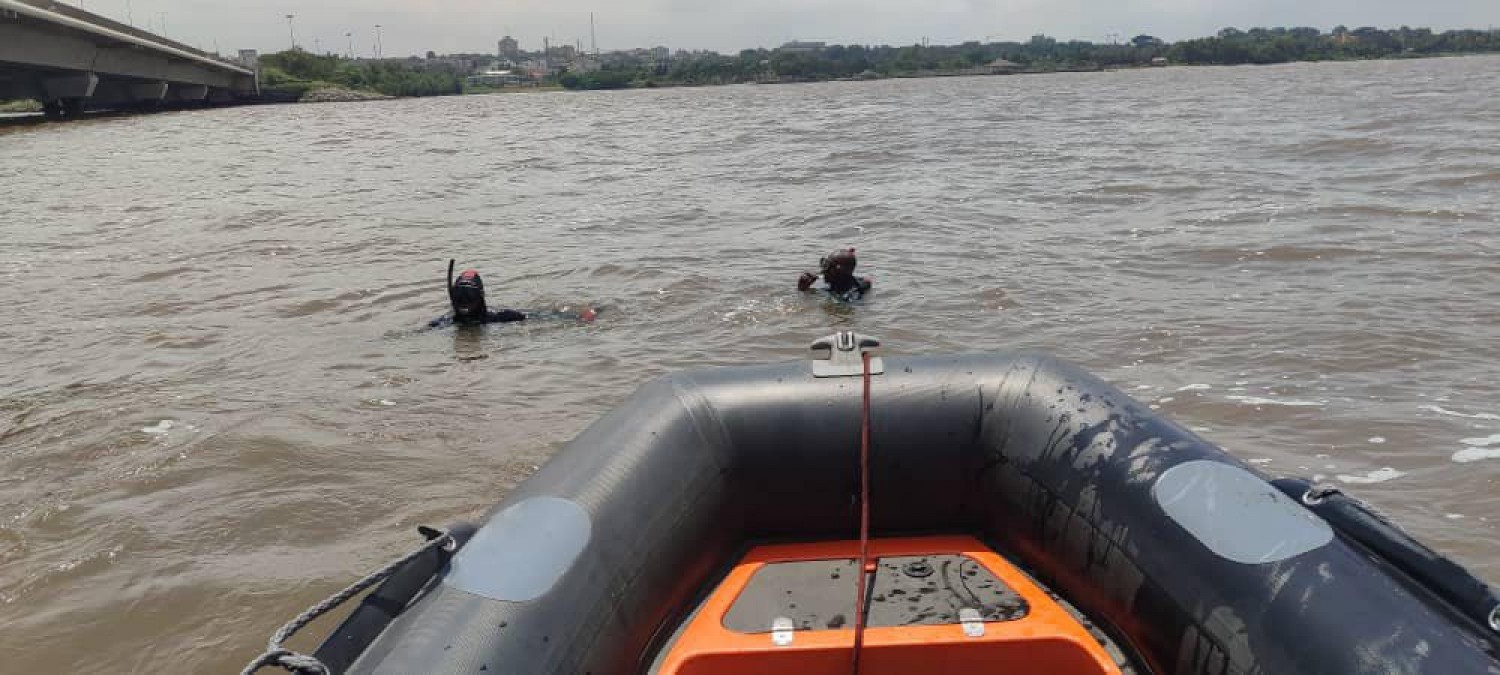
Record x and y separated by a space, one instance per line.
853 513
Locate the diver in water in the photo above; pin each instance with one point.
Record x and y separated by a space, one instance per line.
838 275
466 295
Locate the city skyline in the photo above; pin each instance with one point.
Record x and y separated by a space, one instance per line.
466 26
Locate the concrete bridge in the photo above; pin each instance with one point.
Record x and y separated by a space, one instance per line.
72 60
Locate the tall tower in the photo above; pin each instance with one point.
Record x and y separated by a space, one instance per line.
509 48
593 37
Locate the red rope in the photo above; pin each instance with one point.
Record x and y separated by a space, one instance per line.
864 517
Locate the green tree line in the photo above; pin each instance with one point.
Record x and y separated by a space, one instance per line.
1280 45
1039 54
297 71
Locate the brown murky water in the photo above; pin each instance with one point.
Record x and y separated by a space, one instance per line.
216 406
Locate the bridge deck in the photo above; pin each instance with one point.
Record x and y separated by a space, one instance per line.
71 59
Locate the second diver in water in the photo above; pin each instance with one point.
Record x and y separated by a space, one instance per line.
838 276
466 295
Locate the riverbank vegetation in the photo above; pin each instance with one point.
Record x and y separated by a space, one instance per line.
25 105
295 74
481 89
1040 54
1281 45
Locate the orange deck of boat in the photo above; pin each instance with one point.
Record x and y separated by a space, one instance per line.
1048 640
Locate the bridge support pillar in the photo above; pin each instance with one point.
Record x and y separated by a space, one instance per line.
188 93
123 94
66 94
80 85
150 92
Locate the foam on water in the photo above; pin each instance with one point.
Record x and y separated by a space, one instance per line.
1259 400
1473 416
1194 387
1467 455
1377 476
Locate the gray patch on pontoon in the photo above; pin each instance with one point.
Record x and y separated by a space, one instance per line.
522 551
1236 514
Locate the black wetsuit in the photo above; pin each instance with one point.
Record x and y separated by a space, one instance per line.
467 293
847 289
512 315
837 270
497 316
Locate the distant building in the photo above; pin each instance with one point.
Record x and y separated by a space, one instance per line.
1158 60
583 65
249 58
802 46
1001 67
454 63
661 53
499 78
509 48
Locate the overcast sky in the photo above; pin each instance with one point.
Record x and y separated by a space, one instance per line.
416 26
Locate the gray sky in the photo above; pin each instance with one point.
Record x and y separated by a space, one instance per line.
415 26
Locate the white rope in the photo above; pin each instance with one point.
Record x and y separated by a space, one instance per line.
277 654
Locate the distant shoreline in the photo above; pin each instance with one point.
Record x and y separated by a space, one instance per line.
24 111
818 62
1053 71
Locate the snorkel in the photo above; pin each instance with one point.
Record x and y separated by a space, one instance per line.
452 299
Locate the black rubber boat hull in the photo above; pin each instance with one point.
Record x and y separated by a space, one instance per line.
1195 562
